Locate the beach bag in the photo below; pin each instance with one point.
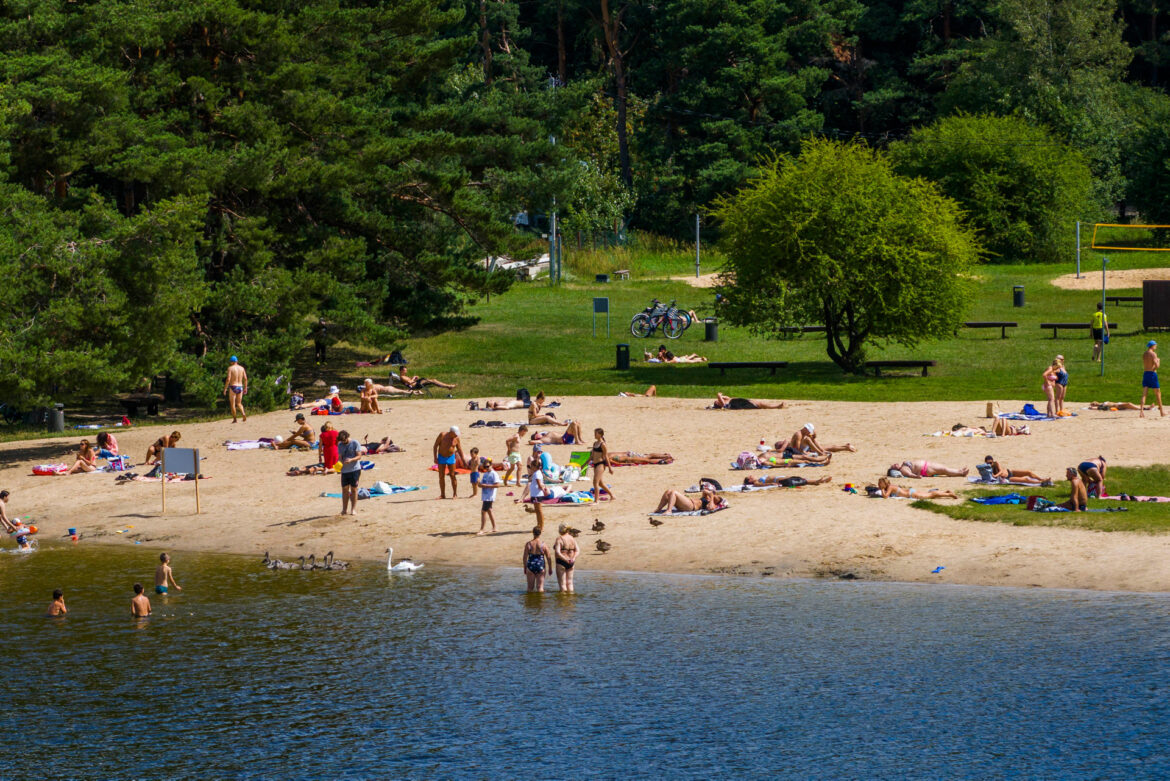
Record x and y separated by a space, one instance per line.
381 487
363 493
746 460
1038 503
570 473
985 472
522 395
119 463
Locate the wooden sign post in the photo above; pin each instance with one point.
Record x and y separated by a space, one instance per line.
180 460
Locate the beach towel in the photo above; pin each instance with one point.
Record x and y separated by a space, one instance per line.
1132 498
971 433
250 444
733 489
495 424
379 490
996 481
680 513
780 464
1004 499
574 498
661 462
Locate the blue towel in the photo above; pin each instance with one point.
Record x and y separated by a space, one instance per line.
1002 499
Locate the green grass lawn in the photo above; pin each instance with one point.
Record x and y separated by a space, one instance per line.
540 337
1139 516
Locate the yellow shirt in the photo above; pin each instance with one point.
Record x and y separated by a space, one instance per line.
1099 320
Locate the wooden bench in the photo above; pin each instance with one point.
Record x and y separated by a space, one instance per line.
877 366
724 366
130 404
1001 326
1080 326
622 273
1119 299
803 329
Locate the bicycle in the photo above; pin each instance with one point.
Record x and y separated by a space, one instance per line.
646 322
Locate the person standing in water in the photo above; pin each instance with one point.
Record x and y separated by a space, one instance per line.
139 605
537 562
234 387
565 550
447 450
1151 362
163 576
57 606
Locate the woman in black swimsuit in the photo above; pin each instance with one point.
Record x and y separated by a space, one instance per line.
537 561
565 549
599 459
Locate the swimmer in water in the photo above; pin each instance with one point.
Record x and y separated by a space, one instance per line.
164 576
57 606
139 605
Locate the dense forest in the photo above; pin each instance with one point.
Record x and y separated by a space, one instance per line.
183 181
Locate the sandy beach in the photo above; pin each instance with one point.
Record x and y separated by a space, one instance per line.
250 506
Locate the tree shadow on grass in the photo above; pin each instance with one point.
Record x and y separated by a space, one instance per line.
701 375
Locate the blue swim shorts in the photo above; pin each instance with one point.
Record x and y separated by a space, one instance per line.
1150 380
160 589
448 460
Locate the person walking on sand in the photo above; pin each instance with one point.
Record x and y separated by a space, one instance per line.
57 606
1151 362
349 454
139 605
1100 330
488 480
234 387
163 576
512 445
447 450
537 562
565 551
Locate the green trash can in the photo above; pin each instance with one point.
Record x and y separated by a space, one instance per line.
623 357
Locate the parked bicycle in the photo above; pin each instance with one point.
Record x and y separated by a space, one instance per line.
672 322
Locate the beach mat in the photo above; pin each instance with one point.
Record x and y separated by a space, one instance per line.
678 514
394 491
733 489
739 468
975 480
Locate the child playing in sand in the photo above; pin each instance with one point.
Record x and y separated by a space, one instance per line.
164 576
512 444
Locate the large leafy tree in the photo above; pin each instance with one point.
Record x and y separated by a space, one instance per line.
1020 187
835 236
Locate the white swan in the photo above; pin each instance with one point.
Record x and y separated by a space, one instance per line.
406 565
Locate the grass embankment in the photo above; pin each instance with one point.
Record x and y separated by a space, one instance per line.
540 337
1139 516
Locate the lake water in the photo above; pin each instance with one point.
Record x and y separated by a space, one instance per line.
253 673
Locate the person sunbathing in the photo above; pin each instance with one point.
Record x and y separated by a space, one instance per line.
154 452
677 501
786 482
805 441
536 418
723 401
1114 406
780 457
372 389
311 469
1001 428
86 460
666 356
923 468
417 383
385 445
302 436
888 489
571 436
650 392
630 457
506 404
1078 499
1015 475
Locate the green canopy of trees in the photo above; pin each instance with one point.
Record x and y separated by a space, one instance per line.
835 236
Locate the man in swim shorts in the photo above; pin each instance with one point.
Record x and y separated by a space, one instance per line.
234 387
447 449
163 576
139 605
1151 362
1078 498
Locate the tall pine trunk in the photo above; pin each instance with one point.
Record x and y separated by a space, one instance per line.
611 27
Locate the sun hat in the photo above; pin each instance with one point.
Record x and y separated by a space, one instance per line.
810 428
333 389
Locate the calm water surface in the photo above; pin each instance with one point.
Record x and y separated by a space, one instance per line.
359 674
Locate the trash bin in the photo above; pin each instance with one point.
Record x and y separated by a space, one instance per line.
710 330
601 277
623 357
1017 295
57 418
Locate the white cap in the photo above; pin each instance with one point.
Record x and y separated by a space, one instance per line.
333 389
810 428
455 430
368 381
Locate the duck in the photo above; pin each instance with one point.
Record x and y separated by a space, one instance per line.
573 532
406 565
655 522
603 546
598 526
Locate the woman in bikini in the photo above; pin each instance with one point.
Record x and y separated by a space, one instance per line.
638 459
154 452
417 383
1093 471
1015 475
565 550
86 460
535 418
650 392
786 482
723 401
666 356
923 468
598 461
888 489
1048 384
1001 428
677 501
571 436
1061 387
537 561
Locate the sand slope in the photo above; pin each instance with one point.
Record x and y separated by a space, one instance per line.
251 506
